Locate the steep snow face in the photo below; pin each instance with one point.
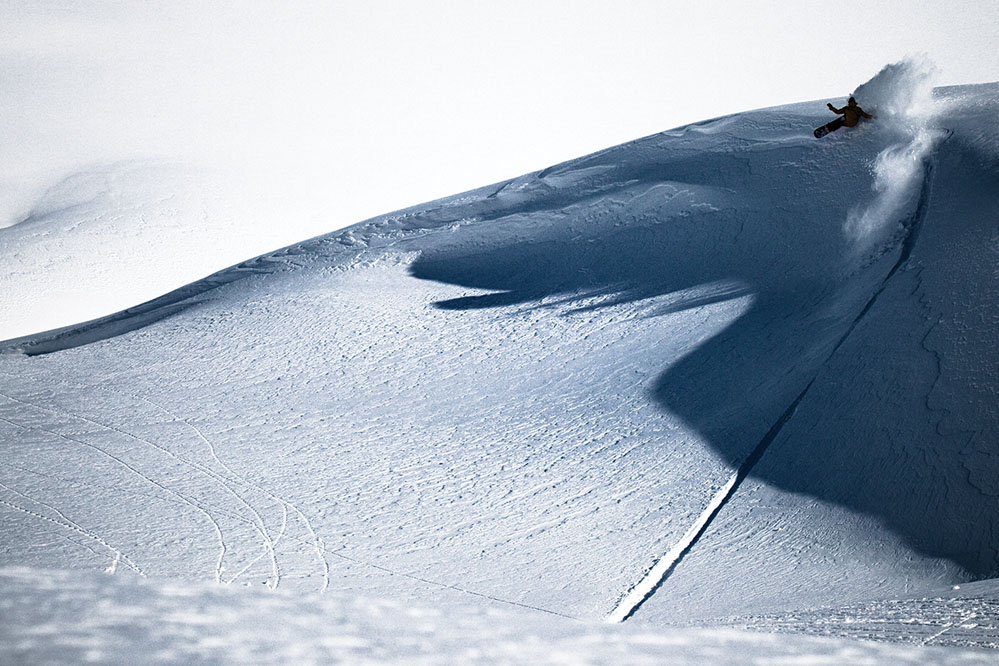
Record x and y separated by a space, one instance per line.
529 394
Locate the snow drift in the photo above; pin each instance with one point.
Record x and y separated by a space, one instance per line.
728 347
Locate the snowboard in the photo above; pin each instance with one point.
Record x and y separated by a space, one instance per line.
831 126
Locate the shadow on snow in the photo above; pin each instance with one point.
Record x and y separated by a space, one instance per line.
785 245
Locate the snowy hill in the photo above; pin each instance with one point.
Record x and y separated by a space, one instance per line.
720 372
108 236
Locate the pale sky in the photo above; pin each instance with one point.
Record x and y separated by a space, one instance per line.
352 109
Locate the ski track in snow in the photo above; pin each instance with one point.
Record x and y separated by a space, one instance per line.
235 477
323 552
285 505
269 543
947 627
660 570
226 483
315 541
187 500
117 490
70 524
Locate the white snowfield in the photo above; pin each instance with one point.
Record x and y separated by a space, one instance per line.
109 236
87 618
722 374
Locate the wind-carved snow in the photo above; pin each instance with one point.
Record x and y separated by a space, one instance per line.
539 394
657 575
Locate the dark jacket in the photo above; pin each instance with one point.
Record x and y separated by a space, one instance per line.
851 113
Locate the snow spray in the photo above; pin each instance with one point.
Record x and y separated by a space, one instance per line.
901 96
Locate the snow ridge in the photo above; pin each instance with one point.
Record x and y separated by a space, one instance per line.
149 312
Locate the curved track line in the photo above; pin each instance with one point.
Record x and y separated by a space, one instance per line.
259 525
239 478
186 500
111 569
128 492
234 477
73 526
282 533
277 540
317 542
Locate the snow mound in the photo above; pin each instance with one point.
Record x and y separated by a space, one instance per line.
103 238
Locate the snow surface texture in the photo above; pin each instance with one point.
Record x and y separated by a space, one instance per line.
963 615
665 382
91 618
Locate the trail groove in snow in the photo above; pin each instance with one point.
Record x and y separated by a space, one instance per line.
187 500
70 524
658 573
257 520
231 477
948 627
317 543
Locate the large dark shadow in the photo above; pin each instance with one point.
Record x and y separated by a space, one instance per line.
914 440
776 233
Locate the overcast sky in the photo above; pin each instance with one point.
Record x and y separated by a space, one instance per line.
356 108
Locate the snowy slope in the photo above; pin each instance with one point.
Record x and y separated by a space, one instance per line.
756 365
899 426
100 238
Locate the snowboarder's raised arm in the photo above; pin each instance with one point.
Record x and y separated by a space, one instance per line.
834 109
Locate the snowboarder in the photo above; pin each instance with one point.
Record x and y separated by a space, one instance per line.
851 116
